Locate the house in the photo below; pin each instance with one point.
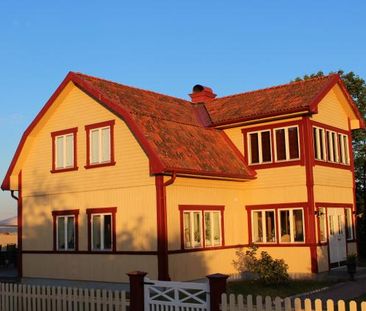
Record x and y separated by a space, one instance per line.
112 179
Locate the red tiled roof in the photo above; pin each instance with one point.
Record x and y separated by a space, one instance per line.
171 129
283 99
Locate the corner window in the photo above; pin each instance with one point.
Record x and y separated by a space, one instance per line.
100 148
65 230
349 222
102 229
201 227
263 226
291 225
287 143
260 147
64 150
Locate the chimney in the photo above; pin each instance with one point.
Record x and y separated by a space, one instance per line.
201 94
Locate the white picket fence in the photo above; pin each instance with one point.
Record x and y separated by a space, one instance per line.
18 297
259 303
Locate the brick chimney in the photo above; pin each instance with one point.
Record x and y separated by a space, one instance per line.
201 94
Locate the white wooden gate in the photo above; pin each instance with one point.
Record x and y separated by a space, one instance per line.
176 296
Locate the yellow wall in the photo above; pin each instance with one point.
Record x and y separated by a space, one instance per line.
115 186
322 253
102 268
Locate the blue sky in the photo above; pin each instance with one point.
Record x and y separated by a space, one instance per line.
166 46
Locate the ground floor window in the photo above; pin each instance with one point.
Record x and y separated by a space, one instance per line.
349 226
322 224
274 223
65 230
202 226
102 235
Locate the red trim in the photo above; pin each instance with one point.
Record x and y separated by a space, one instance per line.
202 208
329 127
271 128
73 131
90 127
20 226
276 206
315 102
103 210
91 252
333 205
73 212
162 229
309 164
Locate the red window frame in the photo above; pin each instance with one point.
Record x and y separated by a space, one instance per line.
276 208
202 209
272 128
72 212
337 131
73 131
102 210
90 127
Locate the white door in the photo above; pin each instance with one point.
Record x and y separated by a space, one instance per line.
337 236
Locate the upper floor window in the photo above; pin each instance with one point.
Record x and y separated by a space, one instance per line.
286 145
102 229
65 230
64 150
100 148
260 147
202 226
330 146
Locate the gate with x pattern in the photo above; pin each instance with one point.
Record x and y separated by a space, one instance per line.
176 296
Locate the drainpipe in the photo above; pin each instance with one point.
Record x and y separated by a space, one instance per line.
162 226
13 195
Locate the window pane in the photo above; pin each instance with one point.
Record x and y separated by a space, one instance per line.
69 150
293 142
187 230
61 233
329 149
254 148
316 142
321 141
285 226
349 229
70 232
331 224
96 222
266 147
270 226
280 144
346 149
341 148
216 228
298 225
257 226
94 146
106 145
107 231
60 152
208 228
335 149
197 229
322 225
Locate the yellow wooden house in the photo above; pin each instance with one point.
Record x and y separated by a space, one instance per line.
111 179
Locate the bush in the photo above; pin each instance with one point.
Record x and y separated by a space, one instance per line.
268 270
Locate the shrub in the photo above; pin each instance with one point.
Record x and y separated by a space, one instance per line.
268 270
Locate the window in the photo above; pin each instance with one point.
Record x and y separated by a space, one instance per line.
260 147
322 225
64 150
201 226
102 236
349 227
287 143
263 226
343 149
65 229
291 222
100 148
319 143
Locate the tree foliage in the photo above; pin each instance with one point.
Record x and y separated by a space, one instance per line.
357 89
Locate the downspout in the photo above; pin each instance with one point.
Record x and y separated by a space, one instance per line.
162 226
13 195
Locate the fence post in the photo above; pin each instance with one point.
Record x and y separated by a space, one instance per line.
137 290
217 284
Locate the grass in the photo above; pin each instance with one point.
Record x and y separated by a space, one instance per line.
293 287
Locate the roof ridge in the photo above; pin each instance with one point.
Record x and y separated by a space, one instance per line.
277 86
131 87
